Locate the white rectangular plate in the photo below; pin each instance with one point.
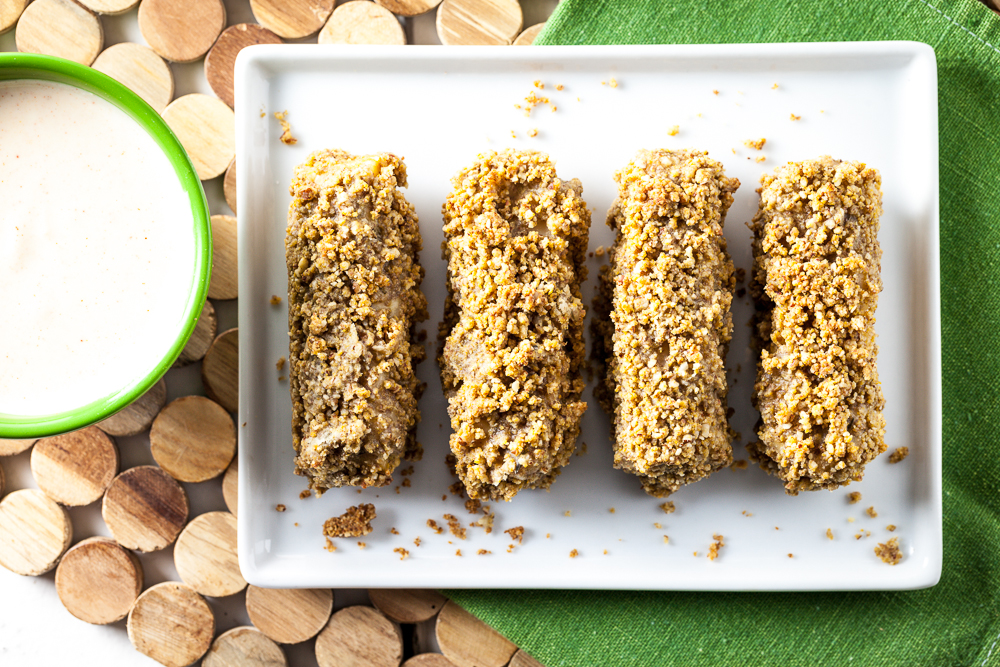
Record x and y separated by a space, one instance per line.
439 108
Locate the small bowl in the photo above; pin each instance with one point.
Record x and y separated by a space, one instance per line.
47 68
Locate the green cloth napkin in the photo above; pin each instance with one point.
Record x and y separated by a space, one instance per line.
958 621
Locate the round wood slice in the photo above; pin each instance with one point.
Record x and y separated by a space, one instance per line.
468 642
181 30
407 605
362 22
206 128
478 21
527 37
10 12
205 555
292 19
289 615
171 624
141 70
138 415
193 439
75 468
220 370
359 636
229 185
230 486
109 6
97 580
522 659
34 532
429 660
60 28
224 283
12 447
145 509
201 338
409 7
244 647
221 60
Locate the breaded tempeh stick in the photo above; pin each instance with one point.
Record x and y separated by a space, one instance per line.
668 286
816 279
515 241
353 300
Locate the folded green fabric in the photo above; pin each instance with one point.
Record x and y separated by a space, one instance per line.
958 621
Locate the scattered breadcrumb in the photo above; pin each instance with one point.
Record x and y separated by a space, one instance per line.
280 507
531 101
296 524
275 300
282 378
854 497
666 540
512 135
891 527
454 526
599 252
286 128
559 87
394 531
574 553
458 552
794 117
713 550
756 144
899 454
715 92
606 551
483 552
612 510
674 130
862 533
889 552
850 519
658 526
583 446
668 507
406 483
790 556
776 528
362 545
554 108
403 553
533 132
486 521
355 522
871 512
548 535
695 554
444 497
397 491
829 533
517 533
417 541
408 470
510 548
305 493
760 158
774 87
457 489
741 275
566 513
739 464
280 364
539 84
745 513
262 114
330 546
473 505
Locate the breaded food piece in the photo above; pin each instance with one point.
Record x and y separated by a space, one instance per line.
515 242
816 279
355 522
664 321
353 301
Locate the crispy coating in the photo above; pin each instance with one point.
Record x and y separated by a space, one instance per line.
353 301
355 522
515 242
663 319
816 280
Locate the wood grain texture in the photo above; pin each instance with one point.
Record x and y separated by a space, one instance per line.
193 439
60 28
145 509
109 7
34 532
478 21
201 338
429 660
171 624
14 447
3 481
181 30
206 127
244 647
229 185
292 19
10 12
357 636
230 486
224 283
205 555
362 22
220 370
522 659
138 415
468 642
97 580
409 7
528 35
289 615
140 70
221 59
407 605
75 468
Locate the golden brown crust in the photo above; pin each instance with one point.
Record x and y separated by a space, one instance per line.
816 279
515 241
353 300
355 522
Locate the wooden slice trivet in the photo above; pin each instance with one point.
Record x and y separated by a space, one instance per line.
522 659
478 21
205 555
221 60
359 636
145 509
138 415
13 447
527 37
60 28
97 580
181 30
244 647
468 642
201 338
362 22
109 6
75 468
206 128
429 660
193 439
409 7
141 70
407 605
230 486
10 12
229 185
292 19
289 615
220 370
224 283
171 624
34 532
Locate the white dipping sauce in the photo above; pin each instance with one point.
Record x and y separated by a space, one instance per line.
97 249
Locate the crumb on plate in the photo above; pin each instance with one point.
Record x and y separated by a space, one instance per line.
889 552
899 454
355 522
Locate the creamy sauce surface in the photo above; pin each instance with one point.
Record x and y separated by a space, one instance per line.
97 249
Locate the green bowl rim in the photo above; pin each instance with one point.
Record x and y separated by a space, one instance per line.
49 68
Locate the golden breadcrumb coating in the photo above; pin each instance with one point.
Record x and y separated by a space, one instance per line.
668 287
355 522
353 300
816 279
515 242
